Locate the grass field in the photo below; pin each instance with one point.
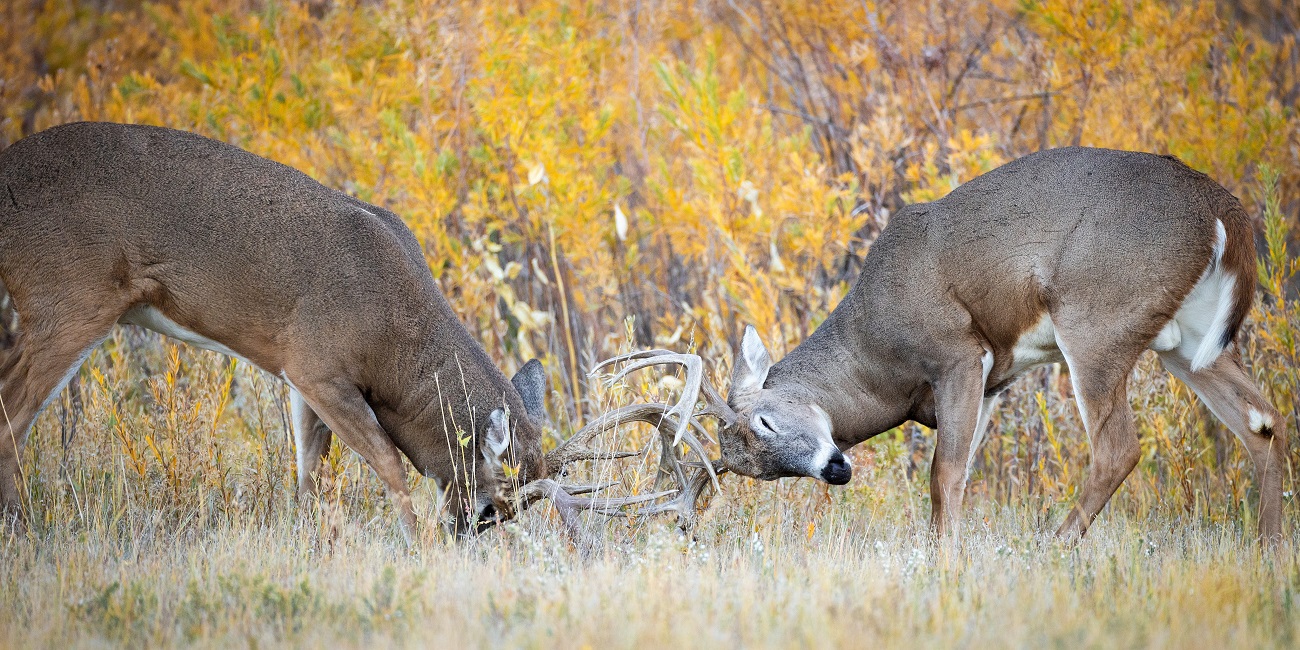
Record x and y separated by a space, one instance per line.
855 569
149 530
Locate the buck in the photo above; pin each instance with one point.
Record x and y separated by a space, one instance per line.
1081 256
206 243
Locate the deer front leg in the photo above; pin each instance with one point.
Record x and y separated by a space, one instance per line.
345 411
961 411
312 442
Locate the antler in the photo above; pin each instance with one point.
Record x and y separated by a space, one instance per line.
570 506
675 423
578 446
684 409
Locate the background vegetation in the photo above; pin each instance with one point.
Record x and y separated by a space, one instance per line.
588 176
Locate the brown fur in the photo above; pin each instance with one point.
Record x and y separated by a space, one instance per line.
329 292
1108 244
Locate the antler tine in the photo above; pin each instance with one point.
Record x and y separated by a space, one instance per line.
570 507
639 354
576 447
670 450
684 504
587 489
563 496
685 406
535 491
715 405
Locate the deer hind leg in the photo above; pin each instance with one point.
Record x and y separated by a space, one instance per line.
1233 398
41 357
344 410
312 439
1100 382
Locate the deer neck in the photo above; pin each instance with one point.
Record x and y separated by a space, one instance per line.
851 374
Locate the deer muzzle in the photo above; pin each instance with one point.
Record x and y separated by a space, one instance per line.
837 470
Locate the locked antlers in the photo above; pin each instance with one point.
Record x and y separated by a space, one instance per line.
675 423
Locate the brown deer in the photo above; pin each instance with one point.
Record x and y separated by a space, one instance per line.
109 223
1077 255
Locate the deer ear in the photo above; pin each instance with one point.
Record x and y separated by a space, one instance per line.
497 439
751 364
530 381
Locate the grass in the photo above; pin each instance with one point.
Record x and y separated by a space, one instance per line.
863 574
171 520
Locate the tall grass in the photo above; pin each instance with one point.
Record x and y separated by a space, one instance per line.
771 565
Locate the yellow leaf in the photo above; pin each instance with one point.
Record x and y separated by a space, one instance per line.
536 174
620 223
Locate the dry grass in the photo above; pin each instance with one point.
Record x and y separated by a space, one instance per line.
865 576
171 520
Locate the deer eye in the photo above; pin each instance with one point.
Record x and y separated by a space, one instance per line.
766 423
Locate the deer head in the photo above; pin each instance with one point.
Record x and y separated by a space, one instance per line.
776 430
509 451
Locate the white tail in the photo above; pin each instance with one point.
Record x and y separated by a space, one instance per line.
1218 285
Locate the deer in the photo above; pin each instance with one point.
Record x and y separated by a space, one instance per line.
1081 256
104 224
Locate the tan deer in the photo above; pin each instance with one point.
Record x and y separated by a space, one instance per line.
108 223
1076 255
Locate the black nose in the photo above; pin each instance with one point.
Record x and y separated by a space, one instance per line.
837 470
488 513
487 518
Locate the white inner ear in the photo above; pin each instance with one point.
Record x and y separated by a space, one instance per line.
756 359
498 434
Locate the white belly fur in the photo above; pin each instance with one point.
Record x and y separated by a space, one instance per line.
1038 346
149 318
